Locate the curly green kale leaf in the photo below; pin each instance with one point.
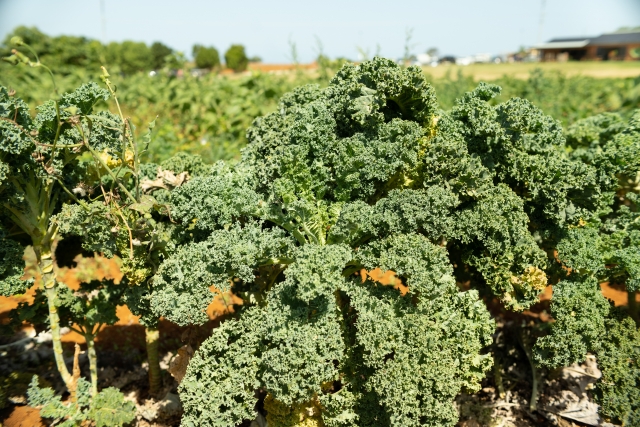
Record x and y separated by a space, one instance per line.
79 102
288 347
580 311
610 252
620 244
15 125
501 247
11 267
107 408
367 174
618 355
92 222
406 345
219 387
184 162
214 200
182 284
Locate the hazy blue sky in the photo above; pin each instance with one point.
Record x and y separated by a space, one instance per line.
458 27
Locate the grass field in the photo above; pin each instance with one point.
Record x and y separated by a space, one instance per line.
522 70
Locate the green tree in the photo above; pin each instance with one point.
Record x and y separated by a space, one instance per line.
131 57
206 57
70 50
236 58
159 52
38 41
58 52
135 56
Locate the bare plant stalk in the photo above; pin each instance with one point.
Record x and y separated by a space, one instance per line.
73 385
49 281
533 403
93 362
152 336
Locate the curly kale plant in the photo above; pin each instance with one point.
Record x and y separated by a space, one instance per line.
602 247
42 161
369 173
48 162
106 409
139 235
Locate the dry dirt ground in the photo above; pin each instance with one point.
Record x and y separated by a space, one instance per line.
522 70
488 72
503 401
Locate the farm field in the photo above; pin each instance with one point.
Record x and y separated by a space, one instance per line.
488 72
352 245
523 70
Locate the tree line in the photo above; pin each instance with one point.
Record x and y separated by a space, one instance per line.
64 52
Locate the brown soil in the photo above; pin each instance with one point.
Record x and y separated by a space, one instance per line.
24 416
120 343
617 293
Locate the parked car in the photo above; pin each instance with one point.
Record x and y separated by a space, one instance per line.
449 59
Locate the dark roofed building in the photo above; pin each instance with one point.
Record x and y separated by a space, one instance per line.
621 46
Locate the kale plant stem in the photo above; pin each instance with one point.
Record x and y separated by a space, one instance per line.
152 336
49 281
93 362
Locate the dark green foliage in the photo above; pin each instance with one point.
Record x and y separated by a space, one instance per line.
214 200
223 392
580 311
206 57
65 54
181 287
42 153
92 224
235 58
618 351
609 247
183 162
159 53
130 56
11 267
603 247
15 139
524 148
410 346
365 174
80 102
620 243
61 52
369 173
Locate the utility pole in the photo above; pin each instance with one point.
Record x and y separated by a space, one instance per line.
541 24
103 19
